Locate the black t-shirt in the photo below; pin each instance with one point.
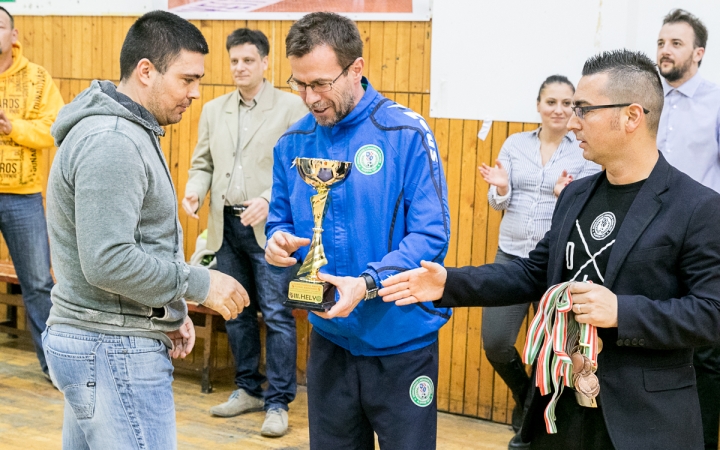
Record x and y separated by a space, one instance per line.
588 250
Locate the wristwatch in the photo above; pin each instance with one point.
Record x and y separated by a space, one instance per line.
370 286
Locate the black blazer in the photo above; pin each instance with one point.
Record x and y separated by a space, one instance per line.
665 269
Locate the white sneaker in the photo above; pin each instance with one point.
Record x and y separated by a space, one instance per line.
239 402
276 423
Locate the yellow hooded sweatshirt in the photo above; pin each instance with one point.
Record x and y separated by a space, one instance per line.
31 101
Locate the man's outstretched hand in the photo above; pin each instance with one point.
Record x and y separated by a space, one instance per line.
424 284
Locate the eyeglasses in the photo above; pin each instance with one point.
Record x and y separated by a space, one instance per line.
316 86
580 111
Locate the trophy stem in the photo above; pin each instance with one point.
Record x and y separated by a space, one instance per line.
315 258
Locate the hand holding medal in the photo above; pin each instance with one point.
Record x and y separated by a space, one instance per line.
552 337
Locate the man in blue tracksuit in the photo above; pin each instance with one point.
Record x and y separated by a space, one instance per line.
373 366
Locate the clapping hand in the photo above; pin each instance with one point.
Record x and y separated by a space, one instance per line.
563 180
497 176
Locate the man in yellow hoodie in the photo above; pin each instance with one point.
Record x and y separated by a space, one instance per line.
29 103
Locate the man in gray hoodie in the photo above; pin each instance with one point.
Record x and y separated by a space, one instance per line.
116 244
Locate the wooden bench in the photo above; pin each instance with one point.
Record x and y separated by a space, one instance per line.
13 301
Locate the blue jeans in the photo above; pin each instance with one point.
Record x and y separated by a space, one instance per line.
242 258
22 223
118 390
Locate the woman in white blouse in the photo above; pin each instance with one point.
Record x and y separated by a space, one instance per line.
532 169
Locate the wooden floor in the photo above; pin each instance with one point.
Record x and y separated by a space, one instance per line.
31 414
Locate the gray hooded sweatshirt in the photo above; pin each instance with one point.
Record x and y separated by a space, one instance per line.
115 239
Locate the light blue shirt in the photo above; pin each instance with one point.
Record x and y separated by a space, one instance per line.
530 201
689 132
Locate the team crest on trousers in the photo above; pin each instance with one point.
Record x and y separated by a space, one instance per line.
422 391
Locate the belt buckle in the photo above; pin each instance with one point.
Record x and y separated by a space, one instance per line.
238 209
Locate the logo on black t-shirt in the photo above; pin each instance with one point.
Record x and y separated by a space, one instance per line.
602 226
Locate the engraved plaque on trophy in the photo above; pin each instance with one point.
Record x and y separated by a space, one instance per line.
306 290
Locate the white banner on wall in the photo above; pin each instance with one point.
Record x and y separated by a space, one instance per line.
490 57
378 10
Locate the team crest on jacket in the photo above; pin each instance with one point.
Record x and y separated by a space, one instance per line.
369 159
422 391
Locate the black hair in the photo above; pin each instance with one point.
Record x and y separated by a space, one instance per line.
632 78
12 19
247 36
552 79
159 36
699 29
325 28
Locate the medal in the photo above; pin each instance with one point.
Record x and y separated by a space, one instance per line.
566 352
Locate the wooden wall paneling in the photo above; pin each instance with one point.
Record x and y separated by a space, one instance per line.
440 129
426 58
414 102
223 68
26 35
389 58
375 57
402 58
499 412
276 54
464 258
402 98
80 49
453 173
482 209
57 42
46 25
459 322
416 56
285 70
364 29
66 42
94 54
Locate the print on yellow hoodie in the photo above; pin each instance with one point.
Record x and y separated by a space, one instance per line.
31 101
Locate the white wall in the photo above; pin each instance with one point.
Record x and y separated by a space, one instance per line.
489 57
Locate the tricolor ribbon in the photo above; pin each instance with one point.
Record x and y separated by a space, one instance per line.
550 337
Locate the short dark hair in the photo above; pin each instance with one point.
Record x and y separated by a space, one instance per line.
325 28
247 36
632 78
554 79
12 19
159 36
680 15
699 29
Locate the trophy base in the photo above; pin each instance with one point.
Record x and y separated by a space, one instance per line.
310 295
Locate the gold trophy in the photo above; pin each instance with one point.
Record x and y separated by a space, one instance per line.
307 291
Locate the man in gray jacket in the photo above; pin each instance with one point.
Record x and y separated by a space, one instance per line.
116 244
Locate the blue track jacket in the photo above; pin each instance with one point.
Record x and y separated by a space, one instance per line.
389 214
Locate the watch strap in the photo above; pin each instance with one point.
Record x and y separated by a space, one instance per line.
370 286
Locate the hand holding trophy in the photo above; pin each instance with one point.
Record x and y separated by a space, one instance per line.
307 291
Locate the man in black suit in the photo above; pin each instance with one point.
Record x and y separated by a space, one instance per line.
648 237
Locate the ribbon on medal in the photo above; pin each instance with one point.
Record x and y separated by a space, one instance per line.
566 352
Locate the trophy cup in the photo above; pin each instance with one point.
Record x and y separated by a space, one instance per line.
306 290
